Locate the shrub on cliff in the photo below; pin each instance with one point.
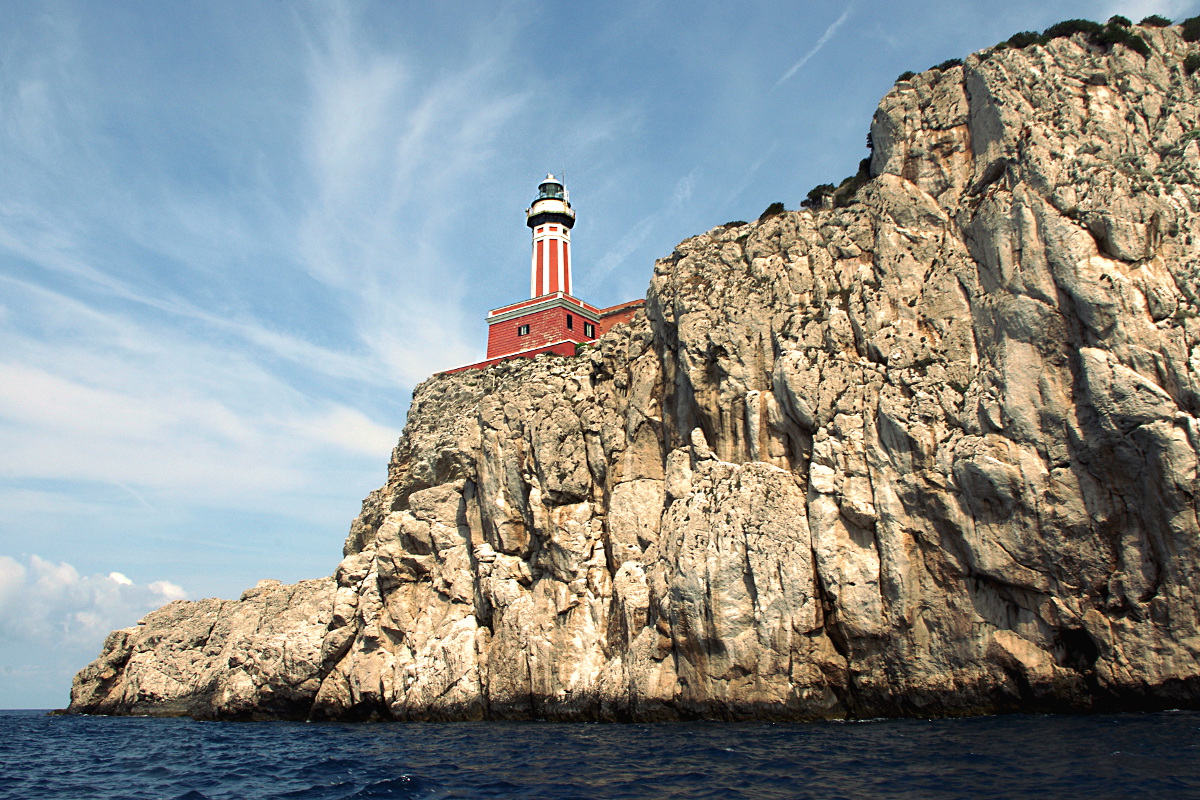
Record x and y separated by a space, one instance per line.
1070 27
1118 30
1191 29
1024 39
1138 45
1191 63
848 188
1115 33
816 196
843 194
773 210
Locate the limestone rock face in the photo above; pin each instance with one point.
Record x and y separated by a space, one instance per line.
256 657
932 453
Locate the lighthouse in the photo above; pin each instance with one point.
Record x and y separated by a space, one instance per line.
552 320
551 219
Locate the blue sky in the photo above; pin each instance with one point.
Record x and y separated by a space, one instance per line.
235 235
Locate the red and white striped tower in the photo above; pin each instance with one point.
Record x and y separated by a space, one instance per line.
551 219
552 320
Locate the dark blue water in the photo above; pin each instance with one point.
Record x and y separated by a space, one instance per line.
97 758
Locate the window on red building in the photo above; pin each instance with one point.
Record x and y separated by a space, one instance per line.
570 322
522 330
589 330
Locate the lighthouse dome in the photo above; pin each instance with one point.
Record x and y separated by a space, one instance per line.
551 189
552 204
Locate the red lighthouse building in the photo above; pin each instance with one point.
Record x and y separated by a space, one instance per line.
553 320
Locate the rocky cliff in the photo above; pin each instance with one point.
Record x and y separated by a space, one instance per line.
931 453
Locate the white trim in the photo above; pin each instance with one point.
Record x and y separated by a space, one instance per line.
533 271
554 301
562 284
550 205
566 265
539 347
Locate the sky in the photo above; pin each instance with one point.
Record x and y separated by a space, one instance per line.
235 235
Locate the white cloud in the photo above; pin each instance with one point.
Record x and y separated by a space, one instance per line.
43 603
350 430
170 437
12 578
166 590
684 190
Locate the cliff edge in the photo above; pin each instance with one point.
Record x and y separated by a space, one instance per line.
931 453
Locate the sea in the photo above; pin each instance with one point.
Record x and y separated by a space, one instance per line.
1045 757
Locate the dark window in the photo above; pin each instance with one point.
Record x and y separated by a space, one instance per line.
589 329
522 330
570 322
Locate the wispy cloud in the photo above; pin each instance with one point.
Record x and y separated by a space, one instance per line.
392 152
816 48
615 256
367 218
684 188
135 351
130 403
749 174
